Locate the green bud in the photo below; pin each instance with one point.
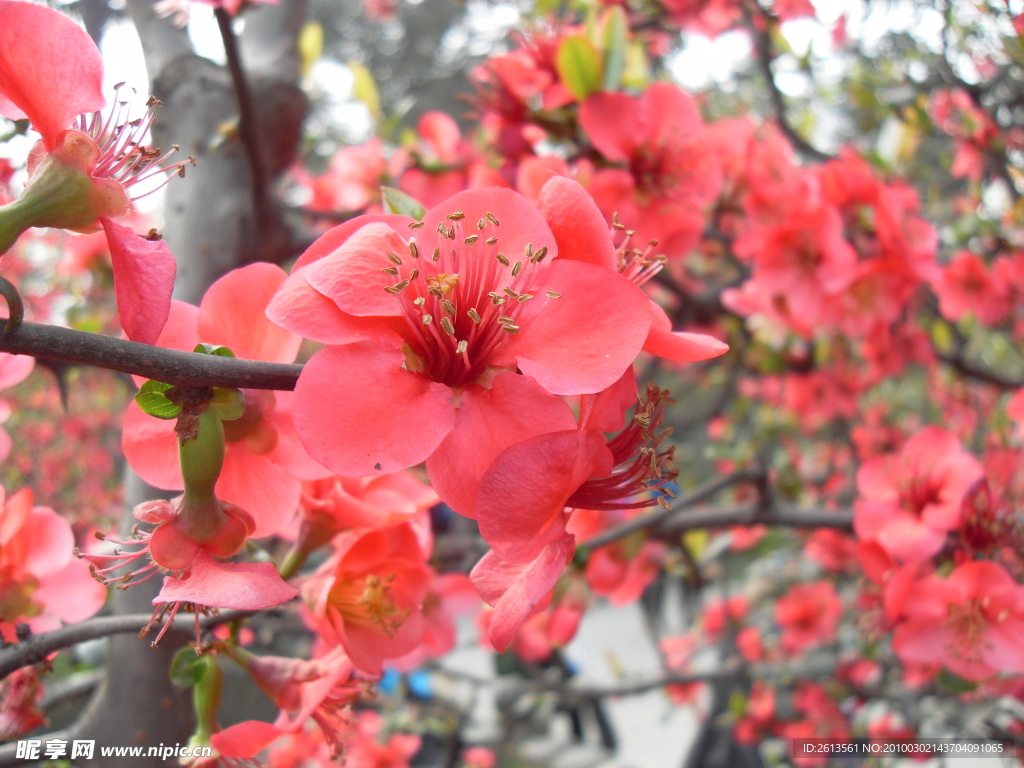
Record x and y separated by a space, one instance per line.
206 697
202 457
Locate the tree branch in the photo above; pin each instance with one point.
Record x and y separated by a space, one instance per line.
763 48
38 647
248 125
182 369
753 514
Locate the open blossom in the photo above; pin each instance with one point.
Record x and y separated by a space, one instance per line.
809 615
264 461
426 326
83 169
971 622
575 221
668 176
191 538
41 583
967 285
369 596
910 501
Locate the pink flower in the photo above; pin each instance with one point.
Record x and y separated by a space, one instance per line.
809 615
424 337
264 461
41 582
910 501
353 178
971 622
967 285
366 751
668 178
82 169
369 596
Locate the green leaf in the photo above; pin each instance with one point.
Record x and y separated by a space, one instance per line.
213 349
637 73
947 682
396 201
187 668
227 403
579 65
152 400
364 88
616 40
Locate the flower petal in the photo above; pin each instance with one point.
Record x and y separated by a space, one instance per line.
151 448
241 586
614 124
334 238
487 422
360 413
516 591
247 739
353 277
577 224
523 493
50 69
262 488
143 280
233 314
302 309
583 341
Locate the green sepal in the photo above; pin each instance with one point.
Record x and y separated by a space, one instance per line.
213 349
228 403
187 669
152 400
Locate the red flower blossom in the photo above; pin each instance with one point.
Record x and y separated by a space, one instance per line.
319 689
971 622
668 177
910 501
41 583
424 335
369 596
809 615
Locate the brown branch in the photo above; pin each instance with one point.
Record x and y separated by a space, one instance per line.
763 48
248 124
967 368
38 647
753 514
182 369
